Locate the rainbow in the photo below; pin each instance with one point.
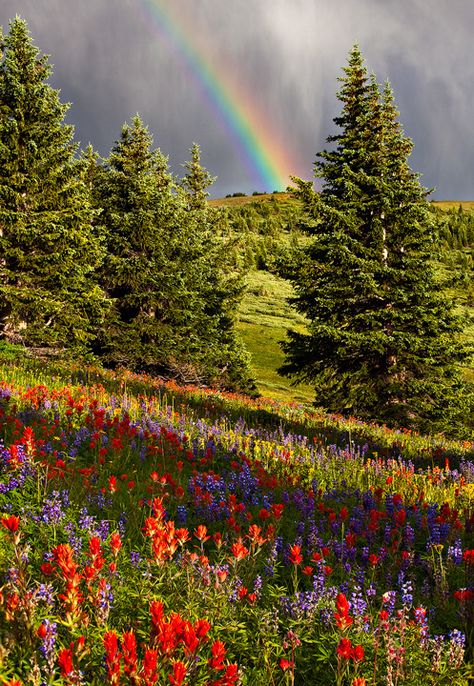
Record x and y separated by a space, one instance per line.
261 151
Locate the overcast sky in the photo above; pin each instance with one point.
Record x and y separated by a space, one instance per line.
113 58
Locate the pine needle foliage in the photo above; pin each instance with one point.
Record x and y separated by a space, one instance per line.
173 302
383 342
48 251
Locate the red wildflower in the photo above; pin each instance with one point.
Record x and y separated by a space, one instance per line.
254 534
357 653
374 560
286 664
182 535
295 555
112 657
218 655
47 568
157 613
239 551
65 661
149 675
129 650
179 672
201 533
464 595
64 556
242 592
468 557
351 539
343 620
42 631
11 524
400 517
358 681
344 648
201 627
189 638
277 510
115 543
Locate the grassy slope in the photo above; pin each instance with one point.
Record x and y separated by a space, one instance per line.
265 314
287 198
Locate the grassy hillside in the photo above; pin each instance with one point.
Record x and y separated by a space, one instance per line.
287 198
265 316
267 225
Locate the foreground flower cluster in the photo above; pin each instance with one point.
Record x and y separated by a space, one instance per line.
144 544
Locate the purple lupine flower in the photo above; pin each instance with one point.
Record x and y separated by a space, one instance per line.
135 558
389 599
407 593
104 601
86 521
421 620
409 535
457 642
52 512
436 649
357 603
455 552
45 593
74 540
47 632
103 529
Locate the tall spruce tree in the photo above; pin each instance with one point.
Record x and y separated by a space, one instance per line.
48 252
383 341
172 307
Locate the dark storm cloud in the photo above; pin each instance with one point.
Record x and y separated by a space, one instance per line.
110 62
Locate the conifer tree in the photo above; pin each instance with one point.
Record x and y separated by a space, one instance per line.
173 308
48 252
382 342
196 180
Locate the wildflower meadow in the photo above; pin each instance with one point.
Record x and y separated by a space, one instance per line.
151 534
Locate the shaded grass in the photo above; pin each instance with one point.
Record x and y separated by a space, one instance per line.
264 317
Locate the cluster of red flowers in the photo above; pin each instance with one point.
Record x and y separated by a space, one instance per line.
173 645
468 557
343 620
347 651
72 596
12 525
165 539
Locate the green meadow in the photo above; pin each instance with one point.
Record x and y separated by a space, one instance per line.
265 314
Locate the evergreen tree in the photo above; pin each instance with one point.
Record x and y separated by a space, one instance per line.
48 252
196 180
173 306
383 342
